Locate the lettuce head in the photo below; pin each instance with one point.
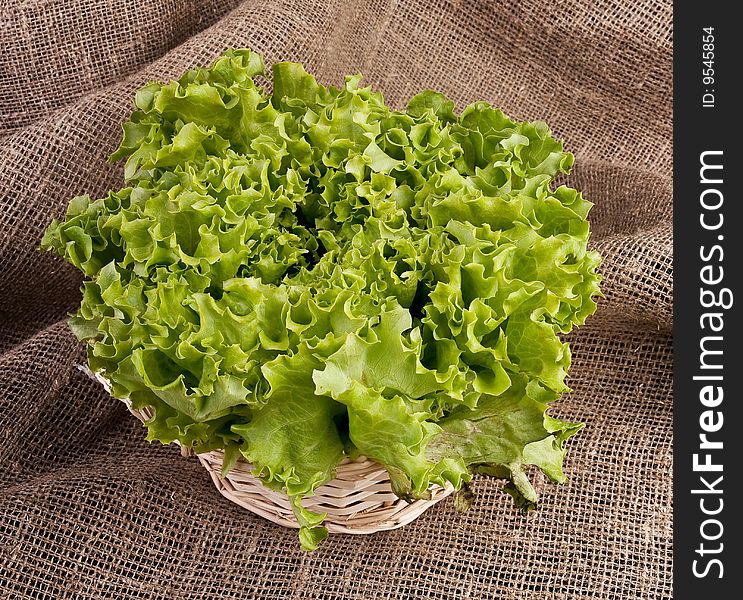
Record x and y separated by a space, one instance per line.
304 275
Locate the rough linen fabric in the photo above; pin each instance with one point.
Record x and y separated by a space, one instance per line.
89 510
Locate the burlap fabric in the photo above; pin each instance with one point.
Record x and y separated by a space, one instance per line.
88 509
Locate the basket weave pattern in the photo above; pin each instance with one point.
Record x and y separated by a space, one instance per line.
359 500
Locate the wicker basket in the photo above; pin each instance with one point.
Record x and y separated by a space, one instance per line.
359 500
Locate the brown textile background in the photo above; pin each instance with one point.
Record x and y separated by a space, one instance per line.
60 49
89 510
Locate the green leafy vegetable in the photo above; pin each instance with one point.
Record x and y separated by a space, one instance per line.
304 275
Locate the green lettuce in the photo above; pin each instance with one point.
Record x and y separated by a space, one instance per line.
304 275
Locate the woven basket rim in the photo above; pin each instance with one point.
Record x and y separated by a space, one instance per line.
358 500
